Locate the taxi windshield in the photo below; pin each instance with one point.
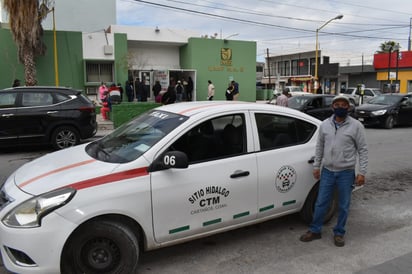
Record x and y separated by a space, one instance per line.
134 138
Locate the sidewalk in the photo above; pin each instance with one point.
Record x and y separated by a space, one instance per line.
104 127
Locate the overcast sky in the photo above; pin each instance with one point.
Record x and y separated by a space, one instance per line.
283 27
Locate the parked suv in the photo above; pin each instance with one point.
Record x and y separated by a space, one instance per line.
354 94
45 115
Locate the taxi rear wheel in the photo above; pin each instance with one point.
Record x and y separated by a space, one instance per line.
309 207
101 247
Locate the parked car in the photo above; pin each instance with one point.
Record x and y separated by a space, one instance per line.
354 94
296 90
175 173
292 91
386 110
45 115
316 105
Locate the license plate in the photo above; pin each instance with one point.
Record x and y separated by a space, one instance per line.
361 119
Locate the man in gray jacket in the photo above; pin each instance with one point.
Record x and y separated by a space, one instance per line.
340 143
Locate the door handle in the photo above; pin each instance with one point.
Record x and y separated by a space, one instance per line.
239 174
52 112
311 160
7 115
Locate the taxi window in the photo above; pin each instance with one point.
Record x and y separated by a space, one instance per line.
134 138
276 131
215 138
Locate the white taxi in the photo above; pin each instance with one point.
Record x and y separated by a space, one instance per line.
173 174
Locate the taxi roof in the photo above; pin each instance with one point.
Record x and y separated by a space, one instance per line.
205 107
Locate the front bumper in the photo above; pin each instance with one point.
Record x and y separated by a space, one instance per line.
371 121
35 250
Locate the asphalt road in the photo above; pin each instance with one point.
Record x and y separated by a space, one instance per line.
378 230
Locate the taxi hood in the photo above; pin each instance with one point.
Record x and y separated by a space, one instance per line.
59 169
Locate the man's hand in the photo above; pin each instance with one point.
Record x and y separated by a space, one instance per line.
316 173
360 180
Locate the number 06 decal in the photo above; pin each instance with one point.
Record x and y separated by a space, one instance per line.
169 160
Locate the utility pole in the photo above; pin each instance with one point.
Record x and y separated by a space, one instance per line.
267 54
409 40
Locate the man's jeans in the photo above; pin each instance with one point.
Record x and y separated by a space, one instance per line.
343 181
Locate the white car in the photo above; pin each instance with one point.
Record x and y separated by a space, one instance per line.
354 94
176 173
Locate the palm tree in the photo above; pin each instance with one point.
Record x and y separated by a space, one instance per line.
25 18
388 46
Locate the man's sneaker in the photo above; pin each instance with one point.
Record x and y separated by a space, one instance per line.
339 240
310 236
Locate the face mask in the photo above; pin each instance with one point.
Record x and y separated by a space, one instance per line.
341 112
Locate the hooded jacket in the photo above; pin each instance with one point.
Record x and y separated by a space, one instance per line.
339 147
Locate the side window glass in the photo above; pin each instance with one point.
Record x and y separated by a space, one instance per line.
317 103
7 100
61 97
368 92
277 131
36 99
219 137
328 101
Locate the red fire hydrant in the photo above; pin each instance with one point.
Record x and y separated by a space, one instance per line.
105 110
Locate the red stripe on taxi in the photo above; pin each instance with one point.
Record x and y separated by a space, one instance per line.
114 177
56 171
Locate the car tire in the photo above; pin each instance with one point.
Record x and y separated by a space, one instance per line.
64 137
309 207
389 122
101 247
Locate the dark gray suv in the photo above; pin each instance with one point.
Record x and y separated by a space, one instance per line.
45 115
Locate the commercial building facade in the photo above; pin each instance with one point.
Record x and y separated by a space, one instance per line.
121 53
298 69
394 71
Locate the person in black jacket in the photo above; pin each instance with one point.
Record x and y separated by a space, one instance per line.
169 97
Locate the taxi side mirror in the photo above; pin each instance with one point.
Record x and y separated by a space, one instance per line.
170 159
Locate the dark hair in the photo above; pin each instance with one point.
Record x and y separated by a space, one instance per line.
16 83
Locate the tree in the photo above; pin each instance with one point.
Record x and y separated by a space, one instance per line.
388 46
25 18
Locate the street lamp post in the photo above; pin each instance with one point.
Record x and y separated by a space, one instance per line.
317 46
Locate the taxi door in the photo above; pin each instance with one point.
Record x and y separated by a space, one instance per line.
219 187
284 161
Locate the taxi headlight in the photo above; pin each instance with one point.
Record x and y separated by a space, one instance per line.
30 213
379 112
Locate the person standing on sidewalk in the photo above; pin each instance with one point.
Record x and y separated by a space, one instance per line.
341 141
282 100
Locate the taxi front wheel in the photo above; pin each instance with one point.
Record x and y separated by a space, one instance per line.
101 247
309 207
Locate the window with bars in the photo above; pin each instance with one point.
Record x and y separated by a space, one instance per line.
97 72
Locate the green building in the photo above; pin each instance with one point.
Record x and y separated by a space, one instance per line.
122 53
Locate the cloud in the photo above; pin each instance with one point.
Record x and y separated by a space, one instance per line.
282 26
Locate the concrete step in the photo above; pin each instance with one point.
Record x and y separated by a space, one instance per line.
103 124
